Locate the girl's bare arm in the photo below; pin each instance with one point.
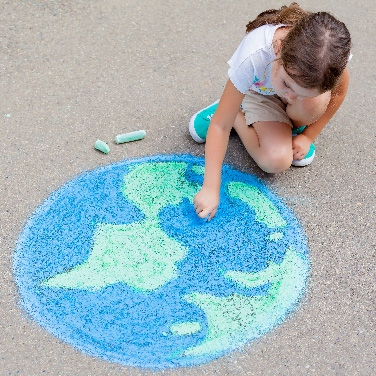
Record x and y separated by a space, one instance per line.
206 201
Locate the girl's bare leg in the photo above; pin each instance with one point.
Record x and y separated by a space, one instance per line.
269 143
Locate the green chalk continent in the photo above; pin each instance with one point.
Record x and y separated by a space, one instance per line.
275 236
185 328
139 254
238 318
153 186
200 170
266 211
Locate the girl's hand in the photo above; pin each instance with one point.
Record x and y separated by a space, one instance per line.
300 146
206 202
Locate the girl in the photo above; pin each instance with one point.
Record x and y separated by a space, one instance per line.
287 78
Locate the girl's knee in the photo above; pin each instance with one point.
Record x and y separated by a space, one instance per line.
276 161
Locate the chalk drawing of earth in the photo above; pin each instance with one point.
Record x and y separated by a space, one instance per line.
117 264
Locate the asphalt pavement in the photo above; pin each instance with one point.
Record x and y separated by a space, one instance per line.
72 72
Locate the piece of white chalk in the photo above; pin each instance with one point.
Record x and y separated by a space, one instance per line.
131 136
102 146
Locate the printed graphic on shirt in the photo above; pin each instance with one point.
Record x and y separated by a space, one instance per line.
264 86
261 88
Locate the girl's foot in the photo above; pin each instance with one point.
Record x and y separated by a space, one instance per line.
310 155
199 123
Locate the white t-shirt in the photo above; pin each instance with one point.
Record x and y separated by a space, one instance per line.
250 65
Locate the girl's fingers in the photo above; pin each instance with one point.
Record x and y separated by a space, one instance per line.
203 214
196 205
208 214
298 156
212 214
203 211
199 210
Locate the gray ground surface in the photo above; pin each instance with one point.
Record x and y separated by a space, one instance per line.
75 71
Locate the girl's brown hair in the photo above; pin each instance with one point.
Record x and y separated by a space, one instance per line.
288 15
315 51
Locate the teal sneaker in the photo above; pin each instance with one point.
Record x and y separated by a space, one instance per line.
296 131
310 155
199 123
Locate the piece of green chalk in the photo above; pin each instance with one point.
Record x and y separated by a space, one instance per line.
131 136
102 146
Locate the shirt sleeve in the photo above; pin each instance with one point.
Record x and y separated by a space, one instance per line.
243 75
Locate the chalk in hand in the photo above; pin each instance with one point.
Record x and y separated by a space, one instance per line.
102 146
131 136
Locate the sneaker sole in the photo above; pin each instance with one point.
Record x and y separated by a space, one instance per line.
303 162
192 130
